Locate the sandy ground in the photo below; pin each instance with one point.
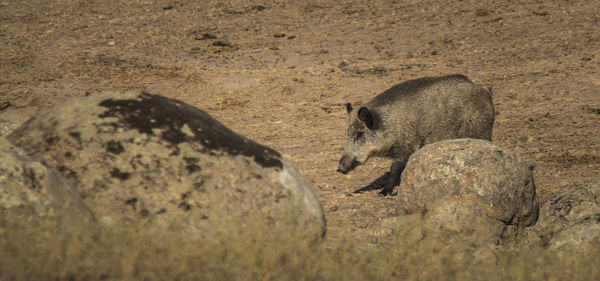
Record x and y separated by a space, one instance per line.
280 72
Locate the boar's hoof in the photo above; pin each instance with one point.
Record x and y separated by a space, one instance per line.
340 170
386 192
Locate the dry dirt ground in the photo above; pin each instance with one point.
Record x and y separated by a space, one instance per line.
280 72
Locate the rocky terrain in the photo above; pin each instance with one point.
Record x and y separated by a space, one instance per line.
280 73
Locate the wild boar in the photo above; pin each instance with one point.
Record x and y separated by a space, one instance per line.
399 121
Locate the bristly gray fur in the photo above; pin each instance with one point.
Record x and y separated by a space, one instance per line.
414 113
412 87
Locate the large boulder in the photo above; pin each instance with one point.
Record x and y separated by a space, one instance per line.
137 157
30 187
468 189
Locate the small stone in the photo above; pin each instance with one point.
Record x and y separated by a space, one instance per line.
194 50
207 36
4 105
222 43
482 12
571 217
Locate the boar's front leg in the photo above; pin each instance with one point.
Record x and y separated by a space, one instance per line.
394 179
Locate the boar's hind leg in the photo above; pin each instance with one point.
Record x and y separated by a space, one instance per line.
395 173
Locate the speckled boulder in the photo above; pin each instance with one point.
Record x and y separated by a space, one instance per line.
140 157
29 186
467 186
462 218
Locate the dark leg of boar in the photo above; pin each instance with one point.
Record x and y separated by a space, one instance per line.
394 180
387 181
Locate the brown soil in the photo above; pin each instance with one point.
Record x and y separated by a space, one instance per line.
281 72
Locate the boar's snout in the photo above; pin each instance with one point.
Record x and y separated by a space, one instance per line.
347 164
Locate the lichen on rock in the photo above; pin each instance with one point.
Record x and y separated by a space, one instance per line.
137 157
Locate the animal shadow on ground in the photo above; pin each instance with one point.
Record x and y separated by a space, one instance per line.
378 183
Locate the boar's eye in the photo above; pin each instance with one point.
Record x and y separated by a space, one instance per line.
359 136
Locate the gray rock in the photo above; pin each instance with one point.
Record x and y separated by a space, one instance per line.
28 186
6 127
582 234
568 207
571 217
402 230
462 218
140 157
468 189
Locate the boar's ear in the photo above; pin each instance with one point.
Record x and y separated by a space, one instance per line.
365 116
348 107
